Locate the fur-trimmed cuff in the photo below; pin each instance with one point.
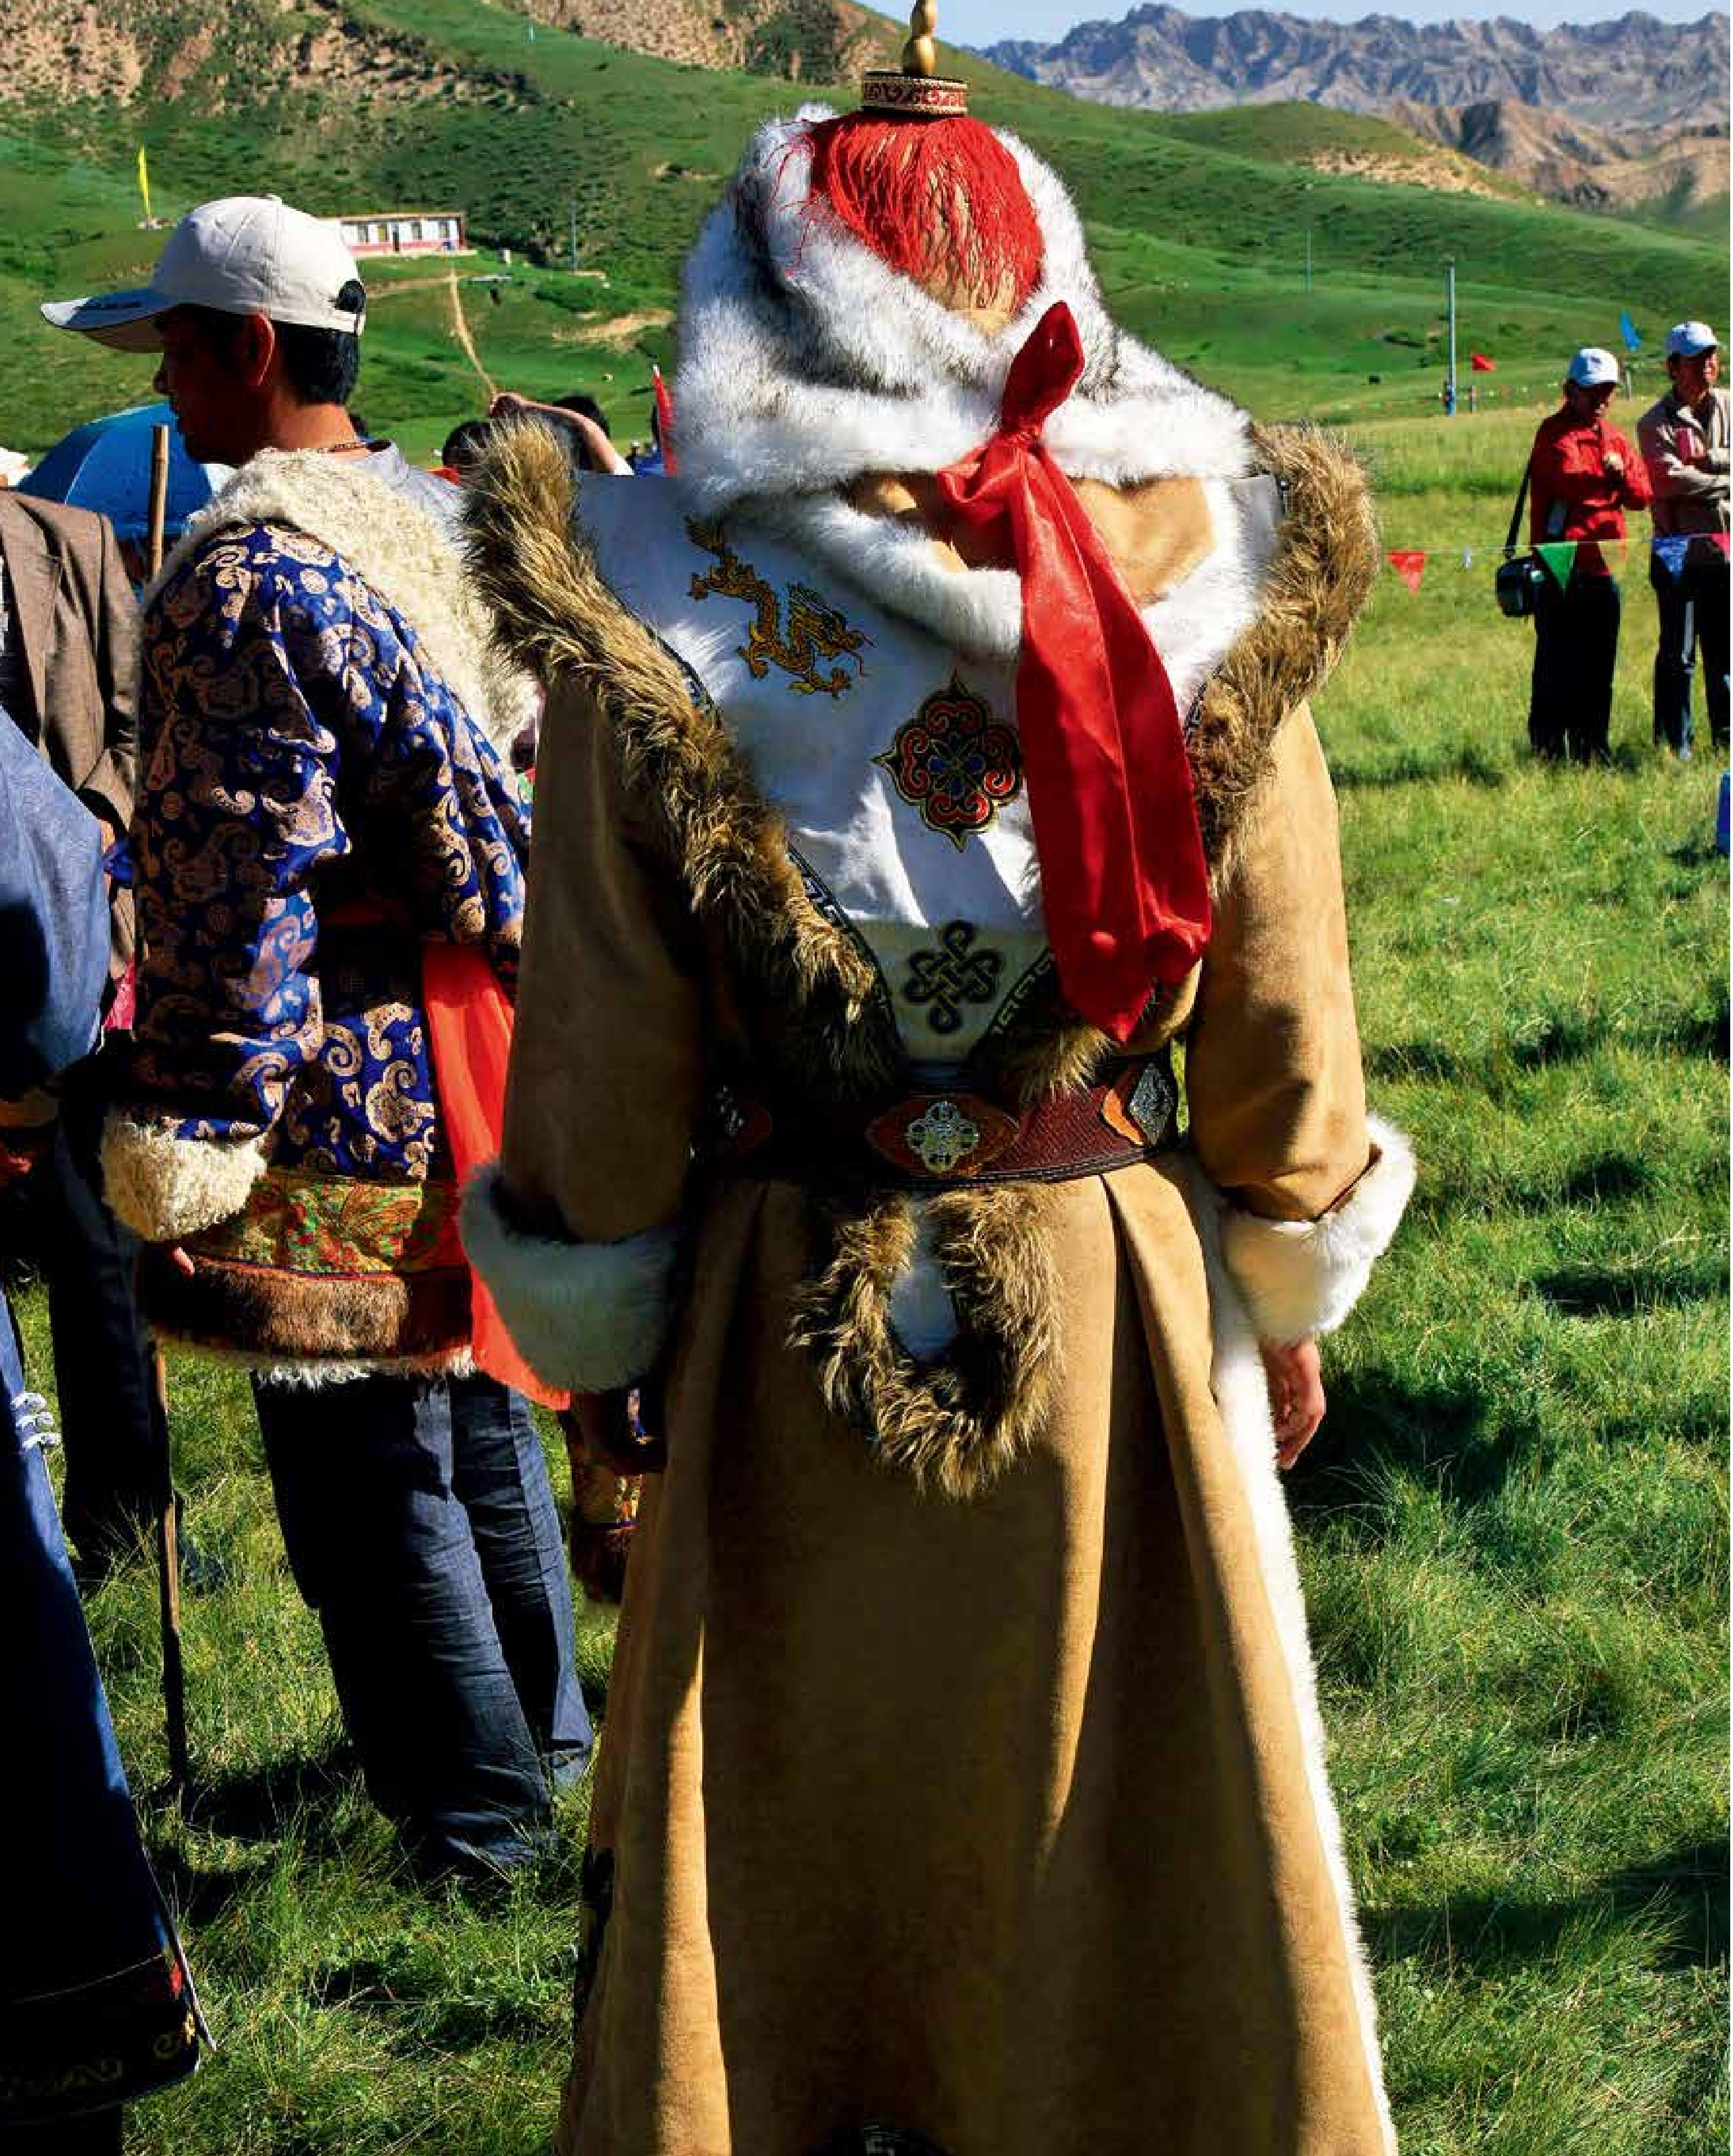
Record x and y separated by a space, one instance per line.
164 1186
587 1317
1300 1278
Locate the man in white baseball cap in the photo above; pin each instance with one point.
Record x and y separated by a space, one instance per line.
1684 438
1582 476
324 804
246 255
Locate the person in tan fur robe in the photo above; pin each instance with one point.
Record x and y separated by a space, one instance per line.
963 1788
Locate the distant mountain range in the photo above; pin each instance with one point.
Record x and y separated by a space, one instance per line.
1636 71
1606 115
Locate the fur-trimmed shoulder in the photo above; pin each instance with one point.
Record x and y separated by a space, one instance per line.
554 615
1325 558
391 544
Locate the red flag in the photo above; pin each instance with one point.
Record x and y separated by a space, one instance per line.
1409 563
1479 363
1721 540
664 420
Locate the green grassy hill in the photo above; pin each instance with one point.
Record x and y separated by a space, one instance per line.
1198 223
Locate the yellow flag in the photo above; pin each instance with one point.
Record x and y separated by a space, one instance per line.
144 182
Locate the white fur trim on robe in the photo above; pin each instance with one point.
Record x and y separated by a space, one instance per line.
1242 1394
1300 1278
587 1317
163 1187
390 543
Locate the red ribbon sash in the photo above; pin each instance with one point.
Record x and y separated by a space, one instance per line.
470 1028
1123 879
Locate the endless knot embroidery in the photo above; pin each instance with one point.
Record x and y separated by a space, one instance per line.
816 629
943 1136
954 763
955 974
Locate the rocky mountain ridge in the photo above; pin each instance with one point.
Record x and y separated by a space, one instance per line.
1635 73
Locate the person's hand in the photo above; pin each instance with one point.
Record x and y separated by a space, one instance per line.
1296 1379
507 405
180 1260
1614 464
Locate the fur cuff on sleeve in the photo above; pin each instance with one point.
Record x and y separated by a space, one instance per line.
587 1317
1300 1278
163 1187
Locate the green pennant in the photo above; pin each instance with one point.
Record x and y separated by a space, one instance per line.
1558 555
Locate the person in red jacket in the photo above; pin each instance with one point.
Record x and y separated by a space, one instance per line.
1583 475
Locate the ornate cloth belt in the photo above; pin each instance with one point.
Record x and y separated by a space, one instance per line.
959 1140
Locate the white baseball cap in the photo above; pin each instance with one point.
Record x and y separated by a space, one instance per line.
246 255
1591 368
1686 340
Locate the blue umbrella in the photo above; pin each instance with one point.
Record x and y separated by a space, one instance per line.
105 465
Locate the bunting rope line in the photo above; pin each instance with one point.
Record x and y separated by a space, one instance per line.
1559 555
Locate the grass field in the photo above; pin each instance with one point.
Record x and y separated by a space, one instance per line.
1514 1525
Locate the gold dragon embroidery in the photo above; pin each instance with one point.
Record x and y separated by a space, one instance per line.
816 630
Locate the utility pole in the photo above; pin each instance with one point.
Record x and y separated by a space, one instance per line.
574 237
1450 308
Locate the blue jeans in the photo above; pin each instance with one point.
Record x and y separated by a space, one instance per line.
1692 601
93 2010
420 1524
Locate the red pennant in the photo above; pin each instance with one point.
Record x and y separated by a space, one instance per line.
664 420
1409 563
1479 363
1720 539
1123 879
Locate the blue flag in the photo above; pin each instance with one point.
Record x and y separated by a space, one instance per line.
1628 331
1671 550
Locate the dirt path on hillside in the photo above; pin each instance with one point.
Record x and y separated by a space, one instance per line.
461 331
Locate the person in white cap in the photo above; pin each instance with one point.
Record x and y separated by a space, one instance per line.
1684 439
328 858
1582 476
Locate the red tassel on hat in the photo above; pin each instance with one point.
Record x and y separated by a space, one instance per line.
1124 883
941 201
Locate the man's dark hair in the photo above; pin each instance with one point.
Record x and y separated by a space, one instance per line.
322 365
465 443
587 406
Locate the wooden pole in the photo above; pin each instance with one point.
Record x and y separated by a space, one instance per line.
168 1574
159 494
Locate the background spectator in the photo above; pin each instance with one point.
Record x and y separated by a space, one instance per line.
1583 477
1683 439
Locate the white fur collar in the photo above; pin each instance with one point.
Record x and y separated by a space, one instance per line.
391 544
979 612
805 360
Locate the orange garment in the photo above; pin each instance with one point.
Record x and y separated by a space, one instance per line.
469 1027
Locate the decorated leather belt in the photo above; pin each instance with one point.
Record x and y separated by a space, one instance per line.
959 1140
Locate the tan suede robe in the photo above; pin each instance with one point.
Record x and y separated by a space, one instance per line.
993 1821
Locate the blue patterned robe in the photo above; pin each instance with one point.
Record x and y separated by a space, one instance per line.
313 804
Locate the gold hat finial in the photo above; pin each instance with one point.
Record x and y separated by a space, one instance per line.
920 55
916 91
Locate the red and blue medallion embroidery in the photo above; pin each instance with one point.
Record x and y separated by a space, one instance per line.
954 763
